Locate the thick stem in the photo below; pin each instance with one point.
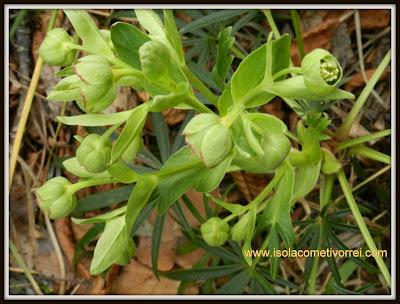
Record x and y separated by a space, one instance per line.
91 182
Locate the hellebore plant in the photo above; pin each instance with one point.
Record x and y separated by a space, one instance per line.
233 137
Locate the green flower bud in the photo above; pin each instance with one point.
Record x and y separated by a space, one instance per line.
208 138
322 72
56 198
93 69
330 164
155 60
97 89
215 232
276 147
55 50
94 153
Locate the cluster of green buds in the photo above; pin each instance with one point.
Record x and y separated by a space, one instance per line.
92 86
208 138
56 197
56 48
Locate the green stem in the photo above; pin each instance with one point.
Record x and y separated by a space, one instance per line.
197 105
363 139
348 121
293 70
363 151
362 226
91 182
297 30
21 263
200 86
238 53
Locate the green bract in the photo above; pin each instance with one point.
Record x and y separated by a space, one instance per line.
55 197
215 231
155 60
94 153
55 49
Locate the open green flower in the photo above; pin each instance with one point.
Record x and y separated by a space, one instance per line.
215 231
208 138
55 49
94 153
322 72
56 198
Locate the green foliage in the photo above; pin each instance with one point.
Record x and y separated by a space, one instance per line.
222 134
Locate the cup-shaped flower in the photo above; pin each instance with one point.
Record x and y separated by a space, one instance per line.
55 49
155 60
215 231
97 89
208 138
55 197
322 72
94 153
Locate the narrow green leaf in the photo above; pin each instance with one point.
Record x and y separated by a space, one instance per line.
123 173
99 218
132 128
138 199
103 199
162 135
156 241
95 120
87 30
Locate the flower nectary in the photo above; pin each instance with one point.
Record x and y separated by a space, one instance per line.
322 72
